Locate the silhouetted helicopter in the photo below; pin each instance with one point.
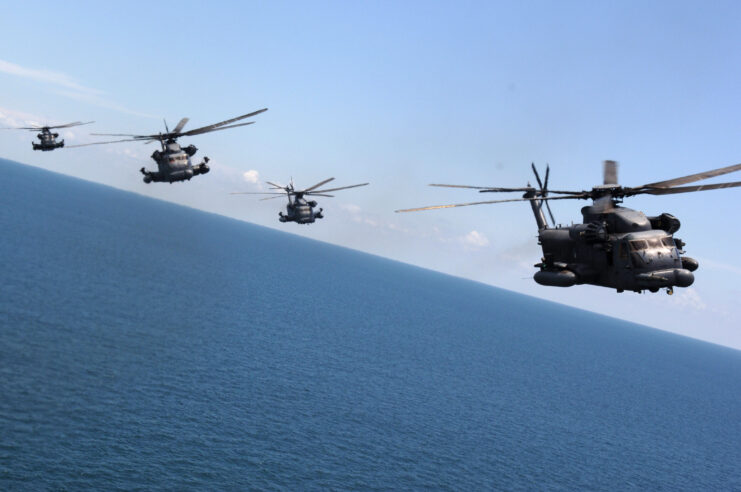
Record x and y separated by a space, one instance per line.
173 161
299 210
48 140
614 246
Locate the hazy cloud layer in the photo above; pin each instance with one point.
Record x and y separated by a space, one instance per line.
67 86
55 78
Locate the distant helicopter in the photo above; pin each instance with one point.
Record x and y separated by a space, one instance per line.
299 210
174 162
48 140
614 246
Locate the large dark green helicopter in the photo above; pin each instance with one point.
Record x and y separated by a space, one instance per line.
47 139
173 161
614 246
299 209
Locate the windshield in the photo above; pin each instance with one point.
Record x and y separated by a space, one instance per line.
652 243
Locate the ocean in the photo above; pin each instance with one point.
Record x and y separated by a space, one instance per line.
146 345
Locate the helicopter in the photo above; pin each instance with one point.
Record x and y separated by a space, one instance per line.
614 246
48 140
173 161
299 210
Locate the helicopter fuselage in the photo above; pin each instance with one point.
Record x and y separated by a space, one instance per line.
301 211
174 164
615 247
48 141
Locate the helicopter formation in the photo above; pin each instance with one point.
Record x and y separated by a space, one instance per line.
174 161
613 246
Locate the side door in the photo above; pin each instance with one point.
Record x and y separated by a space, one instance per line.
622 266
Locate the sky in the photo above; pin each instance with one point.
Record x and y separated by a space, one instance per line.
403 94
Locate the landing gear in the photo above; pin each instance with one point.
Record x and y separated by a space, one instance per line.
670 290
319 215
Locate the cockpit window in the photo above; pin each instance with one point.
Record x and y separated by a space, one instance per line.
654 243
668 241
638 245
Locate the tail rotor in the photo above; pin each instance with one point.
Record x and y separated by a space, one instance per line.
544 189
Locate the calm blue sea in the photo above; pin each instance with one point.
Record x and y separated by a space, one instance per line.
144 345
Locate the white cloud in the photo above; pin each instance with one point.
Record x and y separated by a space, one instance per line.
251 176
475 239
688 299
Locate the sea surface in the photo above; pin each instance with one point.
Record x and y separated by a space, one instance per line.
145 345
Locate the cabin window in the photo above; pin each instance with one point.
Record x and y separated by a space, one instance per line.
638 245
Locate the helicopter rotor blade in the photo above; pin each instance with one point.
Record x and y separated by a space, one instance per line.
547 173
193 132
137 137
49 127
318 194
693 177
483 188
271 197
101 143
537 176
609 172
493 201
180 125
276 185
686 189
256 193
318 185
68 125
337 189
208 128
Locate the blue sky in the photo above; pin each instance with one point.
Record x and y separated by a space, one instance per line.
402 94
